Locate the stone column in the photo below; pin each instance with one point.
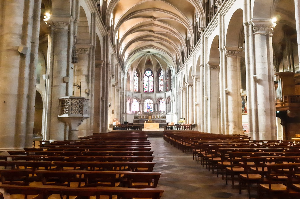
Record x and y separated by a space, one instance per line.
233 92
214 99
32 68
97 96
197 118
191 104
201 100
12 79
265 90
297 17
183 103
60 37
82 79
180 103
103 99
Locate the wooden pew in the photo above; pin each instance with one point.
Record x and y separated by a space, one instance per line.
120 192
98 178
106 166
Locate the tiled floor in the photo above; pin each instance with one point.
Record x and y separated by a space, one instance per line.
184 178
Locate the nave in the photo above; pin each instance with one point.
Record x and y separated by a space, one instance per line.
182 177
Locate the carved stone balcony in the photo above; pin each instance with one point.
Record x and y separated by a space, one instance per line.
73 110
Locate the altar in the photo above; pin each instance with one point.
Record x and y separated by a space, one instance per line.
151 126
150 118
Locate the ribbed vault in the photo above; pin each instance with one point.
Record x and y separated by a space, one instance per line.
161 28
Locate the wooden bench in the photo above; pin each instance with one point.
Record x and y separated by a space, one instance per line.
120 192
99 178
106 166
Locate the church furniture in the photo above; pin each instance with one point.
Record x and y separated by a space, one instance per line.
121 192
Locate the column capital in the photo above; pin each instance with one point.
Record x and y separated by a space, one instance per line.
214 67
60 25
82 50
263 27
233 52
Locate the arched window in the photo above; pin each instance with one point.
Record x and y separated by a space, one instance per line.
148 81
136 81
148 105
161 81
135 106
162 105
168 80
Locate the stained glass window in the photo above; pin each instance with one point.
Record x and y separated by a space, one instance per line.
135 106
167 80
148 81
148 105
161 81
136 82
162 105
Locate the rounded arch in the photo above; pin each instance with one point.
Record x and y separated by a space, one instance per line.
83 30
235 30
214 54
148 105
38 115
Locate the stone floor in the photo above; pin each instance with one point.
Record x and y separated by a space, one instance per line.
184 178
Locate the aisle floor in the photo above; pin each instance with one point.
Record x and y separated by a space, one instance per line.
184 178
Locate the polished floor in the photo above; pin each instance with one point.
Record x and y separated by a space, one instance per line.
184 178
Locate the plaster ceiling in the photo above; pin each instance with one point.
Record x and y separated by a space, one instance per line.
156 28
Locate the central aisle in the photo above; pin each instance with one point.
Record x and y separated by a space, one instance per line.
184 178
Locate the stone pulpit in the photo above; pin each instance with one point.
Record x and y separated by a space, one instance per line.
73 110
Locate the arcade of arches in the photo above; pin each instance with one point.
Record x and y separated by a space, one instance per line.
228 66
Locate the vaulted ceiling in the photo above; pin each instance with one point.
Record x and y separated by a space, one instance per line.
160 28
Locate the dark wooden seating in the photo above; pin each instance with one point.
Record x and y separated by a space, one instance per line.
15 177
275 182
106 166
93 178
120 192
97 161
254 171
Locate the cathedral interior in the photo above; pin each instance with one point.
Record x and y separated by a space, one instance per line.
74 68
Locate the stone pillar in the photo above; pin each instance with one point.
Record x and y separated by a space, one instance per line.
297 17
97 96
180 103
82 79
197 96
184 103
233 92
103 99
264 75
201 100
60 37
191 104
32 68
12 94
214 99
195 104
